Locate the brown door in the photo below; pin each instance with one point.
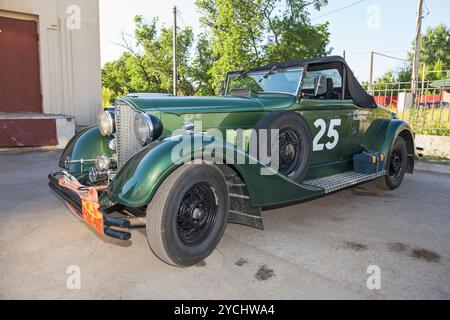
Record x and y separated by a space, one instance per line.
20 86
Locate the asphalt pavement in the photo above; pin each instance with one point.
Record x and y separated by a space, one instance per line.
322 249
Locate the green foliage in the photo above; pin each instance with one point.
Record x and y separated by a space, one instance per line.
240 34
108 95
147 64
200 69
428 121
240 30
391 81
434 53
435 47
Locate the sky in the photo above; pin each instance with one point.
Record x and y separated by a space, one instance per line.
358 27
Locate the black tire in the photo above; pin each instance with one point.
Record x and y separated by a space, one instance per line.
295 149
188 215
396 167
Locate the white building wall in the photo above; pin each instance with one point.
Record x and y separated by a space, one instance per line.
70 66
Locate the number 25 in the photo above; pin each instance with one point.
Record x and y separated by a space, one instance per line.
332 133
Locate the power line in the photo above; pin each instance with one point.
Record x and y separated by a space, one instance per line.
387 56
426 8
179 15
338 10
367 52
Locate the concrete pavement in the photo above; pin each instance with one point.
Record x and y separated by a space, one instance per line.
318 249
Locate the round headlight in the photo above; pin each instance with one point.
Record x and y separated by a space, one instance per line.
147 128
106 123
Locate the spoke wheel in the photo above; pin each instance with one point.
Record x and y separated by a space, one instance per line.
187 216
290 148
196 214
294 143
397 166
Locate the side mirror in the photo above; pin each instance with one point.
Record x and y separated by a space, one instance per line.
320 85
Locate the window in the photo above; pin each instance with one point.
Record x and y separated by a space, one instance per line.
308 83
276 81
332 81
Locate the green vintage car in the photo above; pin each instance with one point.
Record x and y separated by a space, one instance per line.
182 167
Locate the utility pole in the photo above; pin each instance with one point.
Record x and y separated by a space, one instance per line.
424 70
415 67
343 54
372 54
175 64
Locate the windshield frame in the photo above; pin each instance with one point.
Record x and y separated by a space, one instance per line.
232 75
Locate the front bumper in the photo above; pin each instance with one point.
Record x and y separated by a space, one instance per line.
83 201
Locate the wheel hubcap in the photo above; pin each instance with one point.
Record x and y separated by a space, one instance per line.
199 216
395 164
197 213
290 145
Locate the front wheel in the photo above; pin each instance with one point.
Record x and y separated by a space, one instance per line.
396 166
188 214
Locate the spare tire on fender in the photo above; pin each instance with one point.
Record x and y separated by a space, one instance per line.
295 143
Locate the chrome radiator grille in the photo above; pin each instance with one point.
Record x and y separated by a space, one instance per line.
127 143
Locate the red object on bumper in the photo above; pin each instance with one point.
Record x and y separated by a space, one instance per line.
90 207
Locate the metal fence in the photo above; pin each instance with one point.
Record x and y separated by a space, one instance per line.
427 110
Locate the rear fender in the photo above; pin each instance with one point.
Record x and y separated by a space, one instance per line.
382 134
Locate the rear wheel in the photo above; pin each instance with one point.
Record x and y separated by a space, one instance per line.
396 166
188 214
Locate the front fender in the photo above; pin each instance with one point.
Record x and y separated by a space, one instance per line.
382 135
136 183
87 144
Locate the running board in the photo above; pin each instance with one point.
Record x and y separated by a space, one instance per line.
342 180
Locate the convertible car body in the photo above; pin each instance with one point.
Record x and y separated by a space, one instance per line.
185 166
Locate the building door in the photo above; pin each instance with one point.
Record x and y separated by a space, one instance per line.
20 86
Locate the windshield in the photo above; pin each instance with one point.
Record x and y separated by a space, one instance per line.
268 81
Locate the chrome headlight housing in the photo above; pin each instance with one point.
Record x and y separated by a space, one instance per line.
147 128
106 123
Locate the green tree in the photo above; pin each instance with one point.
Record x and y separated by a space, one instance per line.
434 53
108 95
247 33
147 64
435 47
200 69
239 34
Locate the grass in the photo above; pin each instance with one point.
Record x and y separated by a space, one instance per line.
428 121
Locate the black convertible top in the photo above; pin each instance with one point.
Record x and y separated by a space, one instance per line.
353 87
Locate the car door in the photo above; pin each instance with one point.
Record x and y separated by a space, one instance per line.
328 115
353 138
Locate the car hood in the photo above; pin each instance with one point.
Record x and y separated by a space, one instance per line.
180 105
